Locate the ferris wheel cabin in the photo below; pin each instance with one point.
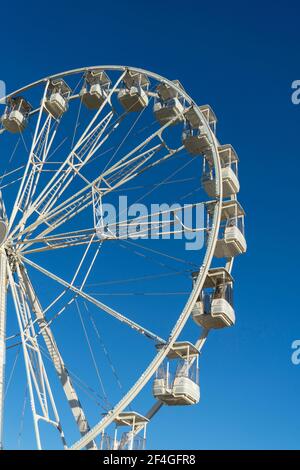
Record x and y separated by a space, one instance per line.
56 102
195 141
229 169
231 241
194 137
169 105
133 94
133 438
210 116
214 308
180 387
15 117
95 89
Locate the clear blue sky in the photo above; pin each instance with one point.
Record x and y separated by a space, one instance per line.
241 57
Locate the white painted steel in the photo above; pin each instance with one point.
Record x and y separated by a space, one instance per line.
44 205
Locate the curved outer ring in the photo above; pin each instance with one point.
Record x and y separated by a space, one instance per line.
161 355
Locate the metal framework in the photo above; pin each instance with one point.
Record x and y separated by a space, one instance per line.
43 208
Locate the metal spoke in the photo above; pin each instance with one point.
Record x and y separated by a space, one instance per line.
115 231
122 318
29 169
83 199
57 185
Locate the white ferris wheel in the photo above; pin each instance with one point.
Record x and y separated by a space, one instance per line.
92 364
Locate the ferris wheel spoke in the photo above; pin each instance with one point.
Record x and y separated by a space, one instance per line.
132 162
65 213
58 184
84 194
161 253
38 153
149 226
122 171
145 234
83 282
69 170
122 318
39 157
140 151
60 240
62 213
87 195
116 182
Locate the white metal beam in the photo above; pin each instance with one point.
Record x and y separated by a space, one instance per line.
84 198
3 294
122 318
55 355
41 398
54 186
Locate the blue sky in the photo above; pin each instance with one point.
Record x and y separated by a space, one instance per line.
241 57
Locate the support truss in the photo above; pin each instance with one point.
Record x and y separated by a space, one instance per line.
42 402
55 355
3 287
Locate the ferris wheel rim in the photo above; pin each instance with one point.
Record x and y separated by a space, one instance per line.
116 68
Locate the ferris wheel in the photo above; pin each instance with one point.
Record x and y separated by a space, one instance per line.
72 145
